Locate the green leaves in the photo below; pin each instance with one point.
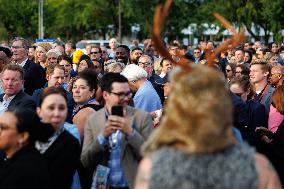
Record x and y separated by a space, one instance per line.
85 19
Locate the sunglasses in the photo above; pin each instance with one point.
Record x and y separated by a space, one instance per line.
96 52
227 70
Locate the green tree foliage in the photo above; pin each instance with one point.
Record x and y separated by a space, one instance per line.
85 19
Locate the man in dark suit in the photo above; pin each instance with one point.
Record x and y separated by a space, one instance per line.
34 73
13 81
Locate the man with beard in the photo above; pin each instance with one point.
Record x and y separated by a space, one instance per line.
136 53
122 54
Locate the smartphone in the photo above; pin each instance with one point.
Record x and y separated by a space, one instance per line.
117 110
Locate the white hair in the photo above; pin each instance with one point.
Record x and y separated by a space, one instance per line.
133 72
55 51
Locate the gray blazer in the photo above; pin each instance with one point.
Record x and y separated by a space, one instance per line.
92 151
267 98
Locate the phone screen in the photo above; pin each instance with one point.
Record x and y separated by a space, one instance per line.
117 110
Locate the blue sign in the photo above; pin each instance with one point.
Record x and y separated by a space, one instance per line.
45 40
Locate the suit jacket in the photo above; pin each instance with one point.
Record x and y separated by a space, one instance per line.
63 158
92 151
34 77
21 99
267 98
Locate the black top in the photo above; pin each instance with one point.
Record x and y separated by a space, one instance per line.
95 107
26 169
63 158
34 77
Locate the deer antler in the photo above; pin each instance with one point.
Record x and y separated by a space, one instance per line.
160 15
237 39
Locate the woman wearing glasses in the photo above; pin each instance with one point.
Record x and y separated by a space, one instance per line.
242 87
84 90
23 166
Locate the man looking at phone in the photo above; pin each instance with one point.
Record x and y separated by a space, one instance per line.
114 141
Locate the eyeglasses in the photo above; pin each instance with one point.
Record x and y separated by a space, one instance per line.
96 52
103 52
196 52
66 65
227 70
122 95
144 63
16 47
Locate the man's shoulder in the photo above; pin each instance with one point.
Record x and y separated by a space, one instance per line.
136 113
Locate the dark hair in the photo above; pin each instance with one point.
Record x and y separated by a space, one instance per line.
244 82
84 57
135 49
90 76
108 79
233 67
28 121
250 55
162 61
245 69
271 43
124 47
64 57
73 46
7 51
52 90
89 63
16 68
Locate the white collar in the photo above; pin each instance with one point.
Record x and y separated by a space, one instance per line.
22 64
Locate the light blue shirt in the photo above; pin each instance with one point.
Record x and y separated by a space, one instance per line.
73 130
146 98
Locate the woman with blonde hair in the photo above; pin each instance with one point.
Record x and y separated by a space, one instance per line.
194 146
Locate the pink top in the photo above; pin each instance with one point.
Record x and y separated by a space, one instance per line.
274 119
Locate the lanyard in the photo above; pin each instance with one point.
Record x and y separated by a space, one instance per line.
262 93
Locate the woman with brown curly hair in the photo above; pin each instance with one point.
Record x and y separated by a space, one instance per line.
194 146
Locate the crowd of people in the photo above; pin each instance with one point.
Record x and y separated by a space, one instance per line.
86 118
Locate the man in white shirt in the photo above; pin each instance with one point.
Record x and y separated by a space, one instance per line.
13 82
34 73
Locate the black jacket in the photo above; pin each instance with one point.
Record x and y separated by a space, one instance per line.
63 158
34 77
26 170
21 99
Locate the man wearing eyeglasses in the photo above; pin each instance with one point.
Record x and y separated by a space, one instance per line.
34 73
130 131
